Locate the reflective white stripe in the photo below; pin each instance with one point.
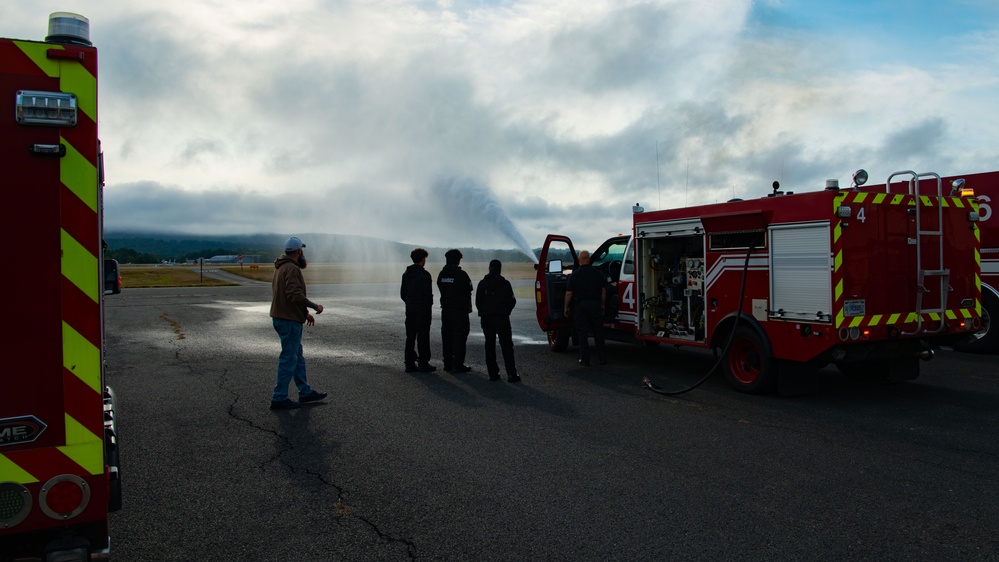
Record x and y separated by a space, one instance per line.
733 261
629 317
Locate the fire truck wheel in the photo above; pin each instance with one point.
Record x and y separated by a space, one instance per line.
558 340
987 339
748 366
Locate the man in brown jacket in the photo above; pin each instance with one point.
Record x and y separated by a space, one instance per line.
289 311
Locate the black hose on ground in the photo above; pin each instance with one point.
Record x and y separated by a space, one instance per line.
647 381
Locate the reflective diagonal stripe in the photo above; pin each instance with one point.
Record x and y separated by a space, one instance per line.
11 472
80 267
81 358
86 400
79 175
47 462
75 79
37 52
90 456
76 434
837 273
896 318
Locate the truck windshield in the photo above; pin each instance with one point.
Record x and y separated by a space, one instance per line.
609 257
606 254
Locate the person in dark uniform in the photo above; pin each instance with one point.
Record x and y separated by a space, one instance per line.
494 300
456 304
585 298
417 292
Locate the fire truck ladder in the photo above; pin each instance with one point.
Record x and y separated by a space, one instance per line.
928 236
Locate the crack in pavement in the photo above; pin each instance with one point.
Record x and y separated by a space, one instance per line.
341 507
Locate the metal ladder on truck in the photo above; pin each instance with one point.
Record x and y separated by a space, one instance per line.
931 236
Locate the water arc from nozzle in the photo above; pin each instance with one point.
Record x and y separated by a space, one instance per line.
476 203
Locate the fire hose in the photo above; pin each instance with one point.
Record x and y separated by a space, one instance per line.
647 381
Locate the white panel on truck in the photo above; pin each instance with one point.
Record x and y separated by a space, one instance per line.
801 272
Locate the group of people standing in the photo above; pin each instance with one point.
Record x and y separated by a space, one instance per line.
494 300
585 300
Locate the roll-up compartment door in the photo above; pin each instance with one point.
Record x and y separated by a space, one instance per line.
800 265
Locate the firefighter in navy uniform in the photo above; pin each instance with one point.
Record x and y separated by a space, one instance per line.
456 304
417 292
585 298
494 299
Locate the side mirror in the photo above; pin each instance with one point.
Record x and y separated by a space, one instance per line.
555 266
112 277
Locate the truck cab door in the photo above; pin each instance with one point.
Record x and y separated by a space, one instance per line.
557 259
627 304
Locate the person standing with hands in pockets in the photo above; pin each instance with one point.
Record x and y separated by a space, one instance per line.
494 299
456 304
289 311
417 291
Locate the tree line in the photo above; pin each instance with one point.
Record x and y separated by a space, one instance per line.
128 255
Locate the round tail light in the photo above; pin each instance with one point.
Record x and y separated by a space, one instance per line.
15 504
64 496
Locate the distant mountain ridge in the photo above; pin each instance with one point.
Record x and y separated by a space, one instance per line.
320 248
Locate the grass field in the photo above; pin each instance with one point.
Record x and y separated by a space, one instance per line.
139 276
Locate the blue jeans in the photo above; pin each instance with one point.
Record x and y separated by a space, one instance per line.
291 363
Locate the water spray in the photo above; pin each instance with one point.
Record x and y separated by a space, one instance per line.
476 204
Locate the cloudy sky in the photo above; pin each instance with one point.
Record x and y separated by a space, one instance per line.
484 123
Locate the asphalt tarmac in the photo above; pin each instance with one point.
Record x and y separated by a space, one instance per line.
573 463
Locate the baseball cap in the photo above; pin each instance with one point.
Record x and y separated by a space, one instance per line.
292 244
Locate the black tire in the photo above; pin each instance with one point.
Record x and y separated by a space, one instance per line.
987 339
748 365
112 458
114 484
558 340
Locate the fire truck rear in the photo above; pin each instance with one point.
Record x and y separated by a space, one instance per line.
870 280
58 451
984 188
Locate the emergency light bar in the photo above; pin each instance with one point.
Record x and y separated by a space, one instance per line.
52 109
67 27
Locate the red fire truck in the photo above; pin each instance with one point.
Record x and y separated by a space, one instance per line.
59 473
871 280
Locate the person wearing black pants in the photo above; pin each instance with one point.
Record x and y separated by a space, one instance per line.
456 304
586 297
417 292
494 299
